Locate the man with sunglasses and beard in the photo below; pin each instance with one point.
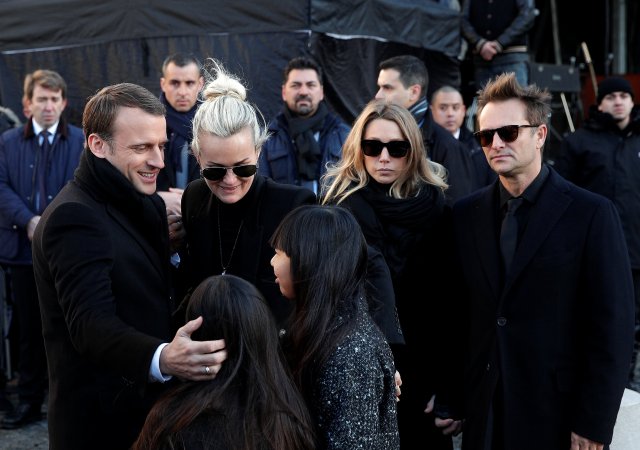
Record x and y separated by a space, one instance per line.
305 136
547 327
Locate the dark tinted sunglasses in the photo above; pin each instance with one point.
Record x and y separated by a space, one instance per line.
508 133
396 149
218 173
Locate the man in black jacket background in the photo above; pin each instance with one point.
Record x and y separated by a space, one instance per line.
604 157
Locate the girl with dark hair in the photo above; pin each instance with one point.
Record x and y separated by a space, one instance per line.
252 403
338 356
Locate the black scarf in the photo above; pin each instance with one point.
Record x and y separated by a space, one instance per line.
302 130
179 130
147 213
403 222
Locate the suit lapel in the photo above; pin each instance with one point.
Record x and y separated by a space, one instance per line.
129 228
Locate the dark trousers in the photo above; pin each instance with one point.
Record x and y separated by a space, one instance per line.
32 361
417 429
634 373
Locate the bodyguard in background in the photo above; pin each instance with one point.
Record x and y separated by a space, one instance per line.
448 109
181 84
305 136
36 161
604 157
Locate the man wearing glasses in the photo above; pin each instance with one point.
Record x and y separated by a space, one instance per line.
549 327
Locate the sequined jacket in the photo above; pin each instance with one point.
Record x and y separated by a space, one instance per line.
353 398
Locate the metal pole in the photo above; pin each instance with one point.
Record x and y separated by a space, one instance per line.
620 36
592 72
566 111
554 29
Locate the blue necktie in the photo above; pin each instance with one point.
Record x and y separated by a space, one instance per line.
42 171
509 232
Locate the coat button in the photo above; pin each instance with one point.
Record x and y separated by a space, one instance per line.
488 366
501 321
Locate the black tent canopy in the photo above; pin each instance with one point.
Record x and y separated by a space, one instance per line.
96 43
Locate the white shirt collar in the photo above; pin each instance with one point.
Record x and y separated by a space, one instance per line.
37 128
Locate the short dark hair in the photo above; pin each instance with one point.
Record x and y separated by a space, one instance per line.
181 60
47 79
302 63
101 109
411 69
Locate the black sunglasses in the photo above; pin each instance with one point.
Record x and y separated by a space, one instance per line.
396 149
508 133
218 173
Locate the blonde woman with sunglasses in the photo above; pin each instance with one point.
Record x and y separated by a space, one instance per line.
397 196
230 213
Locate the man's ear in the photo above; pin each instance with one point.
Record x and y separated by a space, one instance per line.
541 135
415 92
98 146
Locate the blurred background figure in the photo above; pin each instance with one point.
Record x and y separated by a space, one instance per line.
181 83
604 157
306 135
36 161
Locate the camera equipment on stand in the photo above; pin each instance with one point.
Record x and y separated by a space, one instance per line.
557 78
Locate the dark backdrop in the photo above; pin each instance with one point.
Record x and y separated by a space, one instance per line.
93 43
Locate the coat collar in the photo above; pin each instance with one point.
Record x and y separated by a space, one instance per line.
63 129
551 204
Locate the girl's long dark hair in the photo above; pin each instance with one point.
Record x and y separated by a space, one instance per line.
254 391
328 266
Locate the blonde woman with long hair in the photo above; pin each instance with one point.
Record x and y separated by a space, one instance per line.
397 195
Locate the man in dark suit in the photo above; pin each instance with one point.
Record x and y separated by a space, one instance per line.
101 261
449 111
549 329
36 161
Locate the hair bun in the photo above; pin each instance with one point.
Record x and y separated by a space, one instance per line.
222 84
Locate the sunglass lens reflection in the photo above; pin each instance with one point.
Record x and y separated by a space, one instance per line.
508 133
396 149
218 173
